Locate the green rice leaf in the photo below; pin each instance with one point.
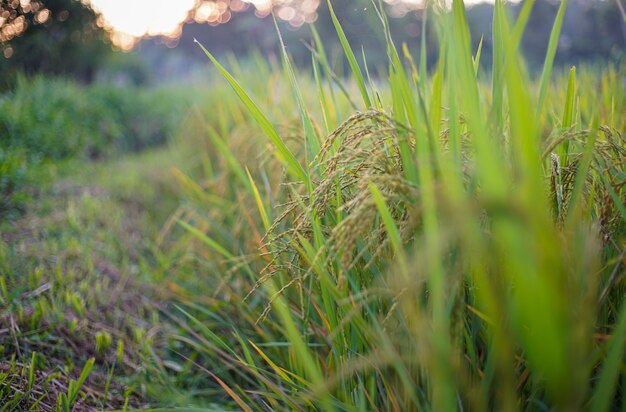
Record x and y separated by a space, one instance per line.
206 240
612 366
354 66
283 153
550 54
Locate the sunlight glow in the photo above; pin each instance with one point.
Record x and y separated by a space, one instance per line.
133 19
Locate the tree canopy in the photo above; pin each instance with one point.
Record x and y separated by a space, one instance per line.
53 36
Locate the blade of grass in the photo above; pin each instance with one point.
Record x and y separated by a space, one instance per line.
73 394
354 66
423 49
312 144
522 21
605 387
568 113
320 55
264 216
477 58
392 229
206 240
550 55
497 81
581 175
280 371
283 152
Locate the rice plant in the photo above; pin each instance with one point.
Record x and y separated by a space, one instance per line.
451 244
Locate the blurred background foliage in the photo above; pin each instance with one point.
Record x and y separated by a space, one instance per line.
43 119
66 37
59 37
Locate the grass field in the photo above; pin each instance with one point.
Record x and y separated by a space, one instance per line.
393 240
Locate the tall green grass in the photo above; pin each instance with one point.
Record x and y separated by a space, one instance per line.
448 245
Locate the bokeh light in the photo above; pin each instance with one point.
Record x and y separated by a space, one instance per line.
131 20
134 19
12 20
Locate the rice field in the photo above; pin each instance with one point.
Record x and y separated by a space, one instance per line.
393 239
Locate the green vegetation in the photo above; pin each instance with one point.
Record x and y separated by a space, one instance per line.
55 119
44 120
445 241
13 180
81 276
450 245
76 273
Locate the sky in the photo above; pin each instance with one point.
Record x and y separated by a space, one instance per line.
131 19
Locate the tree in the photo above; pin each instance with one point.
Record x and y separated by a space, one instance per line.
64 37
